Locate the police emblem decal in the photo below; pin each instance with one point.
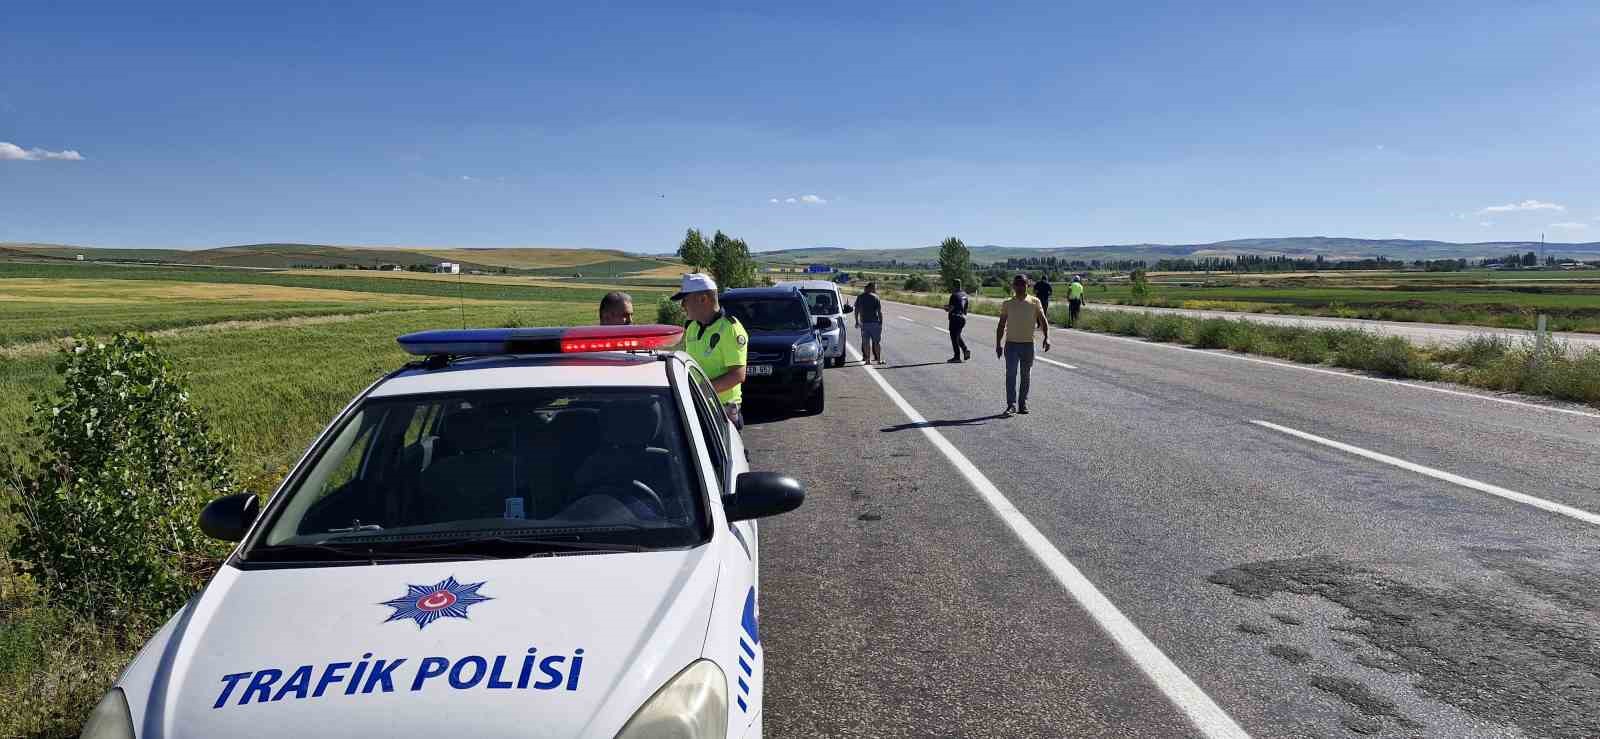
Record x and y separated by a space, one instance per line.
425 604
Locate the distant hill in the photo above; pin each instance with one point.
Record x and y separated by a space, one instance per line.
1332 248
589 262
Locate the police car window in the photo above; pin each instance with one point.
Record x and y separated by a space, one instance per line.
495 472
821 302
713 424
775 314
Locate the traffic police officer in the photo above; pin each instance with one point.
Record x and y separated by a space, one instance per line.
716 341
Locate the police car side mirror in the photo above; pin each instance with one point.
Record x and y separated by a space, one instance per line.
824 323
230 517
849 308
762 494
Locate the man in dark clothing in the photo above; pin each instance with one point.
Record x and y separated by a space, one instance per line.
1042 290
869 319
957 308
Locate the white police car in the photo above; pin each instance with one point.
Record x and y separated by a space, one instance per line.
529 533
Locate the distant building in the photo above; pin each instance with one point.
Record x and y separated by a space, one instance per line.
448 268
80 257
819 269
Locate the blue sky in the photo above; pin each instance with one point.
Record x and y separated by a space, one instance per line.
618 126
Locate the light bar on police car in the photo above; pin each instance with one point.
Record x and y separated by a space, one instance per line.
569 340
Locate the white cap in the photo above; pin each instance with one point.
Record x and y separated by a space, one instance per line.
695 282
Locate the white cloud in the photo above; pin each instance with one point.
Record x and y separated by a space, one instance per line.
13 152
790 200
1524 206
1486 224
802 199
812 200
1570 225
774 201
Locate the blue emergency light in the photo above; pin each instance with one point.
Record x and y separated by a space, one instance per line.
478 342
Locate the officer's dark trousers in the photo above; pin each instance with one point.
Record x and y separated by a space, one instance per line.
1073 306
957 344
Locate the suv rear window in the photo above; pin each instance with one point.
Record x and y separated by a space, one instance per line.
821 302
770 314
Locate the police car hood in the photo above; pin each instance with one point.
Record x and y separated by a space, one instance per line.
553 646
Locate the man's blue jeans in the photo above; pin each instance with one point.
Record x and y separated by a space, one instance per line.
1019 356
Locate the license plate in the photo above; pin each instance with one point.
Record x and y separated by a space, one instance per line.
759 369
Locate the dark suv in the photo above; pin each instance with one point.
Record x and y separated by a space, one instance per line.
785 353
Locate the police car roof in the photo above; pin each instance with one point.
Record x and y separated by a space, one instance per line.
530 371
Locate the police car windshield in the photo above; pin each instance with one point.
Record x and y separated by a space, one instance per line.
770 314
821 302
527 470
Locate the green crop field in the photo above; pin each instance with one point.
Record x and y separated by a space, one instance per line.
1482 298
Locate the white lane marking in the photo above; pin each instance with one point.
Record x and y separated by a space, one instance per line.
1206 715
1319 370
1465 482
903 318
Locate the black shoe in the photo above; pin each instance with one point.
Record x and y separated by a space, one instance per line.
954 360
1011 410
967 352
1022 409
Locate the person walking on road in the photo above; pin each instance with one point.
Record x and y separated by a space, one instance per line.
1019 316
957 308
1042 290
717 342
1074 300
869 319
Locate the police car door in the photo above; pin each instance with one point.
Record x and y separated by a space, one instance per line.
725 448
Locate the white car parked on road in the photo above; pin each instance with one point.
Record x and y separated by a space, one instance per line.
527 533
823 299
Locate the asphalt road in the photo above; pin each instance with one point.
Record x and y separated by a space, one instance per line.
1259 548
1421 333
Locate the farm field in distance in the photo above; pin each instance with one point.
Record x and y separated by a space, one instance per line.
1511 299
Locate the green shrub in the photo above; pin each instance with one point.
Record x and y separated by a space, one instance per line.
917 284
1166 328
1247 338
1310 347
109 507
1476 351
670 312
1212 333
1390 356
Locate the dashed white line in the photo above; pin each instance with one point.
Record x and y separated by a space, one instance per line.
1204 713
1466 482
1319 370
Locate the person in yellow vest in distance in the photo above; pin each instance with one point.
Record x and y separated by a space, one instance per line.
716 341
1074 300
1019 316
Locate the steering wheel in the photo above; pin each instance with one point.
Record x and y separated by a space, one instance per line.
635 490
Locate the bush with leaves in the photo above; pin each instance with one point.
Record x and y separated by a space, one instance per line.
917 284
109 506
670 312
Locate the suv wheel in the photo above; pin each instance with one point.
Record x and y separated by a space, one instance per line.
816 400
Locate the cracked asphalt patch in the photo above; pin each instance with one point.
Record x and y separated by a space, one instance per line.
1522 647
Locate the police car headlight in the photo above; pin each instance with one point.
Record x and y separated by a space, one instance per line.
807 352
692 705
110 719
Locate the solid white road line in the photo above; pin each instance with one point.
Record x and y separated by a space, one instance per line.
1465 482
1206 715
1319 370
1041 359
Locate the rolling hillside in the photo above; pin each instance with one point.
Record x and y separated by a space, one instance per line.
1329 247
562 262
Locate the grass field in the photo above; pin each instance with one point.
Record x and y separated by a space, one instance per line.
1480 298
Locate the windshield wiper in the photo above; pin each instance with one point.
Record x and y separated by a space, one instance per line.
342 554
523 542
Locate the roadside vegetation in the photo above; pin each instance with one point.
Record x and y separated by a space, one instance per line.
1489 362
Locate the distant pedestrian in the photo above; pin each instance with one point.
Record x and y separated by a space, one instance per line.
1019 316
1074 300
869 318
616 309
957 308
1042 290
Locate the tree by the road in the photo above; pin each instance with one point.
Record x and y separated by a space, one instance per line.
694 252
955 264
731 265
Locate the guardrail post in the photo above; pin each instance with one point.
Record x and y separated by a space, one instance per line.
1541 339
